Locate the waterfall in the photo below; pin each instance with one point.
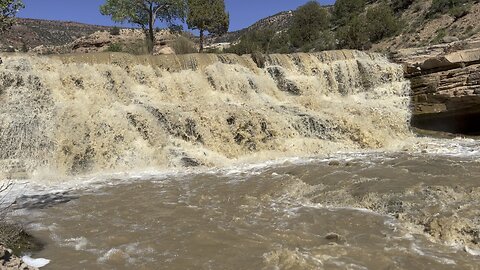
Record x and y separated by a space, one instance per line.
77 114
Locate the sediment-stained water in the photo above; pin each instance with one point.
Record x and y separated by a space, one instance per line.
112 112
351 211
99 145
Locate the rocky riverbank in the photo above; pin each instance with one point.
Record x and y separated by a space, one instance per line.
8 261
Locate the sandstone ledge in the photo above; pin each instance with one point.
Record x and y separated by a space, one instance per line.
445 82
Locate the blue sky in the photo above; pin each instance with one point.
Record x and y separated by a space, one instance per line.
243 13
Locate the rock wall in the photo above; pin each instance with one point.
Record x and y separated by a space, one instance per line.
445 82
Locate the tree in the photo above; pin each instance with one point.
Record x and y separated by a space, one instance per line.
8 9
355 34
401 5
345 10
381 22
255 41
309 21
145 13
208 16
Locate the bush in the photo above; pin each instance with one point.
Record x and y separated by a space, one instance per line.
115 31
115 47
381 23
308 22
401 5
354 35
254 41
326 41
183 45
345 10
456 8
460 11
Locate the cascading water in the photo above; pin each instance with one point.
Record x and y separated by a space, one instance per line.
86 130
79 114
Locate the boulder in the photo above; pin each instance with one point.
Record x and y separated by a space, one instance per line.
165 51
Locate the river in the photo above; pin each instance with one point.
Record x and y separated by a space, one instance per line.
212 162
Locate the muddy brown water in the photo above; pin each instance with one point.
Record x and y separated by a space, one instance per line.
371 211
413 208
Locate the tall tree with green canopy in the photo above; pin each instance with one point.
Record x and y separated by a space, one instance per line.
309 21
145 13
345 10
208 16
8 9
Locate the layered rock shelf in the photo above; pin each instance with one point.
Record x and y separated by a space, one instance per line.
445 83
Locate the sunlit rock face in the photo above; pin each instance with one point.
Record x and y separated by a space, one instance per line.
445 81
77 114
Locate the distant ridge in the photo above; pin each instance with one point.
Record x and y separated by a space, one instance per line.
278 22
35 32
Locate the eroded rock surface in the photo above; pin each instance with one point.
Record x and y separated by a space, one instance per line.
445 82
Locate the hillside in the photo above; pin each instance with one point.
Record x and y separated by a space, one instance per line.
419 27
33 32
279 21
422 28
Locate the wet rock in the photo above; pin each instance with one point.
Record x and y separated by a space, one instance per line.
283 83
334 163
8 261
394 207
190 162
335 238
309 126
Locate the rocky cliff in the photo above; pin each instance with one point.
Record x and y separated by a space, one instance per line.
445 82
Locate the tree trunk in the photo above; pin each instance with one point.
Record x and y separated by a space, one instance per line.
201 40
151 30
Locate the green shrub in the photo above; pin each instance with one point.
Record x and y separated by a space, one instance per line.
345 10
354 35
459 11
439 37
326 41
456 8
253 41
115 47
401 5
308 22
140 47
381 23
